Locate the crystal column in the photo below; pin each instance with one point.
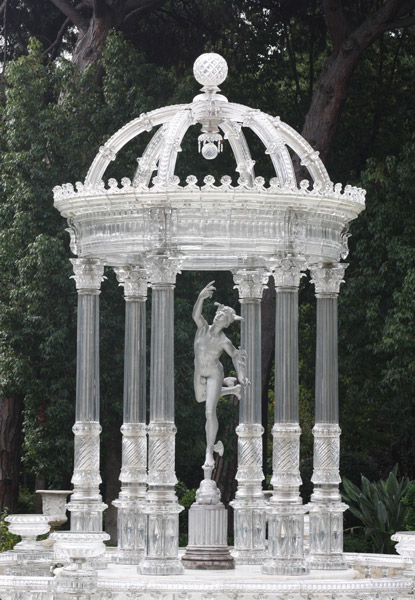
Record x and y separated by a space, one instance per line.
249 504
86 504
286 511
161 506
326 509
133 476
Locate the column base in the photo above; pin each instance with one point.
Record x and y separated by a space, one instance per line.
249 557
328 562
127 557
326 536
131 529
286 540
160 566
162 540
285 566
249 531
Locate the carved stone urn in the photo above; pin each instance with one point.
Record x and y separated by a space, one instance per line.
28 527
54 505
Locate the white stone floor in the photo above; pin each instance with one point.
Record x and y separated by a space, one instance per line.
248 583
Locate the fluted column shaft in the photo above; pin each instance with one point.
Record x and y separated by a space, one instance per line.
161 506
249 504
86 504
286 512
286 356
327 394
130 518
326 508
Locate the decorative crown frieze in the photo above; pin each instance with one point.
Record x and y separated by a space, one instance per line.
275 186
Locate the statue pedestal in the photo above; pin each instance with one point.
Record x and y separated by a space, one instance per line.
208 528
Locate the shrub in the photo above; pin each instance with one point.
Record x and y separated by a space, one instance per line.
7 539
409 502
378 505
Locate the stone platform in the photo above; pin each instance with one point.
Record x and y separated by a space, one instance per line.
369 577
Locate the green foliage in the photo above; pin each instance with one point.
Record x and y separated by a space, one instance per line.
7 540
377 318
26 501
53 119
186 497
379 507
51 124
409 501
354 540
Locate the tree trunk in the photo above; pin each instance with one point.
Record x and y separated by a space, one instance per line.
323 117
40 484
10 451
91 40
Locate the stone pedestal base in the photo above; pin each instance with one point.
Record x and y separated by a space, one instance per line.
208 547
126 557
326 536
285 541
249 531
162 538
131 529
156 566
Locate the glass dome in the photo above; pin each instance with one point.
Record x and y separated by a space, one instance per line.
210 225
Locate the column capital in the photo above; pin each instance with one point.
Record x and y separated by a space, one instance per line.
327 279
134 280
162 269
250 283
88 275
287 272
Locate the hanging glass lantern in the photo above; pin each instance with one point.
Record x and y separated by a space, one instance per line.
210 144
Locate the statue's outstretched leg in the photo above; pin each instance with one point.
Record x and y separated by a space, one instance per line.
231 388
213 388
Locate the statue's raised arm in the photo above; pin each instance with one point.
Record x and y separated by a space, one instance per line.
207 292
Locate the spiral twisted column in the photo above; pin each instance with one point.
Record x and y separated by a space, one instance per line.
249 504
286 511
161 506
326 508
86 506
130 518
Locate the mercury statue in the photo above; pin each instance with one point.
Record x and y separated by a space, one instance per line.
209 382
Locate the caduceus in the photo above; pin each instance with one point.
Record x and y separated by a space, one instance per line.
209 381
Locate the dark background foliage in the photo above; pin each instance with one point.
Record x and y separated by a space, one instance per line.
90 72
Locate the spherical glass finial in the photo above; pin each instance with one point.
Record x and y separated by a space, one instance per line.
210 69
210 151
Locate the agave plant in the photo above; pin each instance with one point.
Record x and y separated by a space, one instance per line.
378 505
